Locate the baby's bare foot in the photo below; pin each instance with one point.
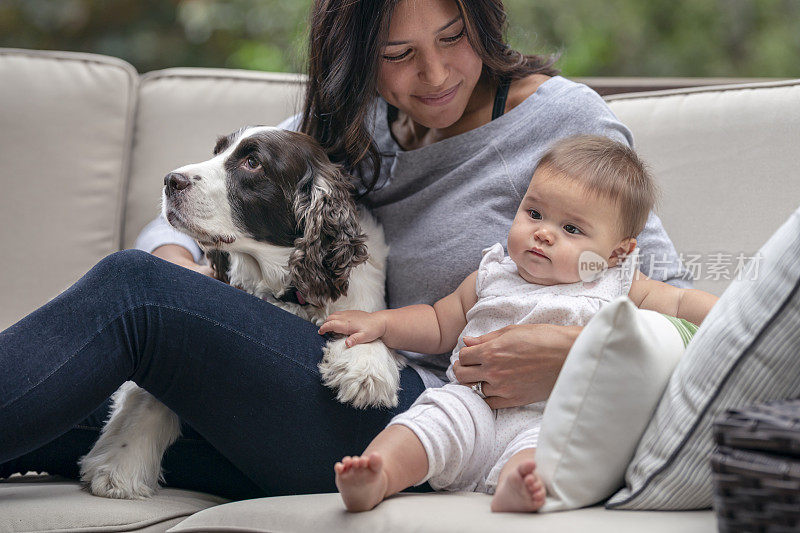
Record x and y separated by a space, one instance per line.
361 481
521 491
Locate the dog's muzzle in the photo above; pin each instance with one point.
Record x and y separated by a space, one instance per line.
174 182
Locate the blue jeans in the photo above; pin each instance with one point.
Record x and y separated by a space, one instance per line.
239 372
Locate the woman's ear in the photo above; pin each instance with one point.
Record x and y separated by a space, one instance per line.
623 249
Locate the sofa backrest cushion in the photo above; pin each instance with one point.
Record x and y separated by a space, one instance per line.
65 125
181 113
85 143
728 163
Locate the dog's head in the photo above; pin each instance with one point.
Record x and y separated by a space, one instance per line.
267 187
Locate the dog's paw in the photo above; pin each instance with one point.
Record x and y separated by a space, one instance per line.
110 479
366 375
117 470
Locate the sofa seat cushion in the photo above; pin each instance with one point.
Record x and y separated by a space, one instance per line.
49 503
432 513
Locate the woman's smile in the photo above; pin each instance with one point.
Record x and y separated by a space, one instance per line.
441 98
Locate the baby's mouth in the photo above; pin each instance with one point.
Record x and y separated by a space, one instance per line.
537 251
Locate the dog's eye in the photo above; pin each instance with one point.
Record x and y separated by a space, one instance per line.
252 163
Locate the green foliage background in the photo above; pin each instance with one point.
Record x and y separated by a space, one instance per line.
725 38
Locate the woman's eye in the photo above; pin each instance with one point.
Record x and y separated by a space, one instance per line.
455 38
398 57
569 228
252 163
534 214
405 54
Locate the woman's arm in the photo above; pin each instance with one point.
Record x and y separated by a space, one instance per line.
175 253
518 365
164 241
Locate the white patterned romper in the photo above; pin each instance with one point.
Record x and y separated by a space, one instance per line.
466 442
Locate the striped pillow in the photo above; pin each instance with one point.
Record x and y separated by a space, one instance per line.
747 351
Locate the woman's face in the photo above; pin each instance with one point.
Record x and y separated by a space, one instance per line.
428 68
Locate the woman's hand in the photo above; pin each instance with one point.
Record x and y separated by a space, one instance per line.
361 327
518 365
179 255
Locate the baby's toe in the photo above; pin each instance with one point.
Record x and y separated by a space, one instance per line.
527 468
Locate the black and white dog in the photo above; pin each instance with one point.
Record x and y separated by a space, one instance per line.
278 220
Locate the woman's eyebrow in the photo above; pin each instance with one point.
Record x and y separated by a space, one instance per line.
393 43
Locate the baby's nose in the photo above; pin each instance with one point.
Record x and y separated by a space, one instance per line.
543 235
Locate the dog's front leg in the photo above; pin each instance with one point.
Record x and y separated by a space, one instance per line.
365 375
125 462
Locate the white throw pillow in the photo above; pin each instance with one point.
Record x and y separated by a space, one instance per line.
603 399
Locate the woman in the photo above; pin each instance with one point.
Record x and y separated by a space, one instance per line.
442 158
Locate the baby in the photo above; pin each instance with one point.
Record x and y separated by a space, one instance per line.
586 201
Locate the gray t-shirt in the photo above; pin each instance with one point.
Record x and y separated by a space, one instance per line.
442 204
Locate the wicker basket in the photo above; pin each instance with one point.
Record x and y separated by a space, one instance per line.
757 468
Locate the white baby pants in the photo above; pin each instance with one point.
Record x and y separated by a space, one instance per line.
467 442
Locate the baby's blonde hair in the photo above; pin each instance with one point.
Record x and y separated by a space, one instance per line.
608 169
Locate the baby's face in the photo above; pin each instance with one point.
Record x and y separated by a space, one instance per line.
555 223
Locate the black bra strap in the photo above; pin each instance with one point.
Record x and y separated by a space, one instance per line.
500 97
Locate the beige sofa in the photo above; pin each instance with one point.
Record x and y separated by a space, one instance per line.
85 142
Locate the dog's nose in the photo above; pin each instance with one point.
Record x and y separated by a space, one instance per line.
176 182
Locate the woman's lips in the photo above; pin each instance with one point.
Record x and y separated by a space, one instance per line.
441 98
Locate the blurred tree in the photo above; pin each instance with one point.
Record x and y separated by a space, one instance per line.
154 34
735 38
732 38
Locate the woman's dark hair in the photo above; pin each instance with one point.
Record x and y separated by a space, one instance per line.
346 40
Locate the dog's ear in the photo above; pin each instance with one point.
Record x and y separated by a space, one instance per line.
220 263
331 242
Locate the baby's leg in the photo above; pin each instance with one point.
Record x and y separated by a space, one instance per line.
394 460
519 488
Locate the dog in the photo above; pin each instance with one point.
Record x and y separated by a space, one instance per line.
277 219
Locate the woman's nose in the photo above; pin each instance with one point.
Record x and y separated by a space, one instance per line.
433 70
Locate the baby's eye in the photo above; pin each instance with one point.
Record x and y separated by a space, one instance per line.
569 228
535 214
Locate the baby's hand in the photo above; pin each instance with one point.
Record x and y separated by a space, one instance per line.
361 327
